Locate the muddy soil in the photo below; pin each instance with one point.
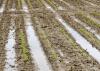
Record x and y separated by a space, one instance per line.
82 5
89 36
97 2
61 49
24 59
54 38
5 21
4 27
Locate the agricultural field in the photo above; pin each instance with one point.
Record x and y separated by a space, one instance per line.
49 35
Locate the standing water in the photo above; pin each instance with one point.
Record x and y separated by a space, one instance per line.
87 27
79 39
2 8
36 49
10 50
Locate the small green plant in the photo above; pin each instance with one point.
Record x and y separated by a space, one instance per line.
87 20
96 14
53 56
23 46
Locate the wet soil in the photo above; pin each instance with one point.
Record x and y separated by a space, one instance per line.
24 59
54 38
61 49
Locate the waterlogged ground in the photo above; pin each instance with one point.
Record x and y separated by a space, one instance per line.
49 35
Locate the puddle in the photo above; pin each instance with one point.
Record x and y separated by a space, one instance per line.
60 8
79 39
87 27
36 49
2 8
25 8
12 9
91 4
60 52
10 50
74 8
70 6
